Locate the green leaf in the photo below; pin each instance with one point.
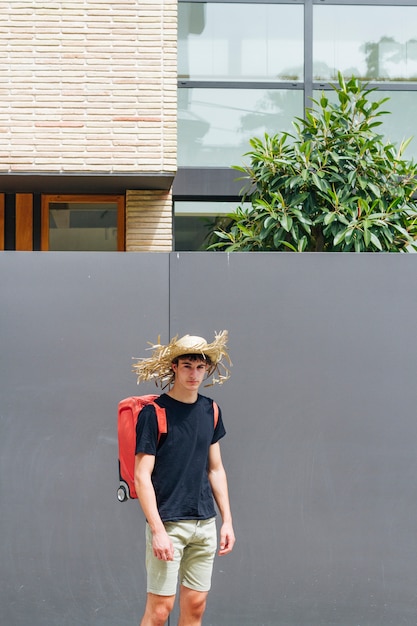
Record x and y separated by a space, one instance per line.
362 182
244 230
339 237
349 235
302 244
278 237
375 241
401 230
221 235
317 181
286 222
288 245
269 221
329 218
366 235
375 189
351 178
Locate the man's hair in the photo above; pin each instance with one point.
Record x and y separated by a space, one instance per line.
193 357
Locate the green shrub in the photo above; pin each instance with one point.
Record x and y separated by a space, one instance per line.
332 186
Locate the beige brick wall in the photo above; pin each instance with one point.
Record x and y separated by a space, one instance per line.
148 221
88 86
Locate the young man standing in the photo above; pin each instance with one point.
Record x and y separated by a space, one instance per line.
177 477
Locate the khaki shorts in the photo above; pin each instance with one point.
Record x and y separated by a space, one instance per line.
195 544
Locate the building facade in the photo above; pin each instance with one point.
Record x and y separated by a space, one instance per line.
87 124
120 122
247 67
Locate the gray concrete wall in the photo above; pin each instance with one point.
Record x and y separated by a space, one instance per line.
321 420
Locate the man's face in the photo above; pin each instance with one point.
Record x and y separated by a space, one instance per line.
189 374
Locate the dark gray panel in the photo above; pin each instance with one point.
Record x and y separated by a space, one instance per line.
70 324
79 182
320 451
320 412
207 184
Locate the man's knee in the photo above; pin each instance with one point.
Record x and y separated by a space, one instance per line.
198 605
158 609
193 602
161 613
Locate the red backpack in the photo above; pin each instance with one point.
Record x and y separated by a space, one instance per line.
128 413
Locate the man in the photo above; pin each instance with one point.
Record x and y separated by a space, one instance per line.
177 476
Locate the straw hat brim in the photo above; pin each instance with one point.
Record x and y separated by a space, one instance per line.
158 366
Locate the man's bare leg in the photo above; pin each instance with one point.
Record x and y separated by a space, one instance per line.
192 606
157 610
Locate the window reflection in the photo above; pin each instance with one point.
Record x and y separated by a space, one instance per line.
369 42
215 125
240 41
400 124
82 226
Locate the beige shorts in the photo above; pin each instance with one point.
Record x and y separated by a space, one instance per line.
195 544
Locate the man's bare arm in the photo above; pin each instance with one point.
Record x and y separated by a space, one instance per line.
161 543
218 482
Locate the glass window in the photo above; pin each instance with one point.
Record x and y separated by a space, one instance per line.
215 125
81 223
195 221
370 42
400 124
240 41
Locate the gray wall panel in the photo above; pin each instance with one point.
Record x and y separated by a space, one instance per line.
70 324
320 451
320 412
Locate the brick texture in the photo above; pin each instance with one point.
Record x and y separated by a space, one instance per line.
149 221
88 86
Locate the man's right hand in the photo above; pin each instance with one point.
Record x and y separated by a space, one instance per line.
162 546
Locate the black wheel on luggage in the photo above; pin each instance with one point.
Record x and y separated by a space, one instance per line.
122 493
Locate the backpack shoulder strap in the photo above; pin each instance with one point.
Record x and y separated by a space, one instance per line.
161 418
216 414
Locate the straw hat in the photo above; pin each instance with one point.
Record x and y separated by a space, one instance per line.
158 366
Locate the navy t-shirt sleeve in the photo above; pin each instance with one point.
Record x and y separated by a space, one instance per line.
146 431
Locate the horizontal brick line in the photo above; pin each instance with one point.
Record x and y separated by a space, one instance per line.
60 124
137 119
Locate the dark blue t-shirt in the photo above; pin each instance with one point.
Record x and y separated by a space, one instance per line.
180 476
